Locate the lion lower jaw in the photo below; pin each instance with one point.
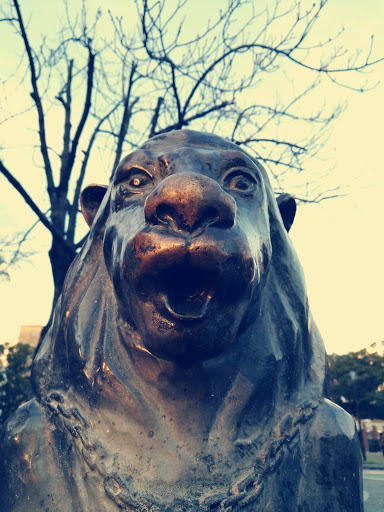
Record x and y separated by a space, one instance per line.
194 309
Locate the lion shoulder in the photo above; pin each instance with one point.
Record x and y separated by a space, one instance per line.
333 420
40 468
332 460
21 443
30 450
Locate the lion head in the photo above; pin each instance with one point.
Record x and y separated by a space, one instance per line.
187 243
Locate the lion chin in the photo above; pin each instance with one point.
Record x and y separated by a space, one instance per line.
183 370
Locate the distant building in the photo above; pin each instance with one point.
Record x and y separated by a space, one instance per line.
30 334
369 424
377 347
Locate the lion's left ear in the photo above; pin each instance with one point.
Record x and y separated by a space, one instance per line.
90 201
287 207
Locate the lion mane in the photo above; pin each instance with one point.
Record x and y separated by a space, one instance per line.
111 426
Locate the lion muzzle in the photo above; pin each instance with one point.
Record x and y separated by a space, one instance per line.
188 265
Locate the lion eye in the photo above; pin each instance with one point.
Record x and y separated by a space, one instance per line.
138 180
240 181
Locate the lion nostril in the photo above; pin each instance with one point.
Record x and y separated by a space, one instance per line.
209 217
222 216
166 214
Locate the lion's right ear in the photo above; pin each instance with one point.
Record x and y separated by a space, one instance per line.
90 201
287 207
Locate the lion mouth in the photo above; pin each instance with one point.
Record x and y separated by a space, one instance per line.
187 291
186 281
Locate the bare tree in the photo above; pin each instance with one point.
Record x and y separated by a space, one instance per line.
12 252
115 91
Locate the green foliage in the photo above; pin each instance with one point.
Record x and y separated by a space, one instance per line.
367 388
15 372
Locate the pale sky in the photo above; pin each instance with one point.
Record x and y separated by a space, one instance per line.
339 243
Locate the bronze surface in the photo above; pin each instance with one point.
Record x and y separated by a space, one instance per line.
183 370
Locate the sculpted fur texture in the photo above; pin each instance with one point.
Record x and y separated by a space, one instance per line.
183 371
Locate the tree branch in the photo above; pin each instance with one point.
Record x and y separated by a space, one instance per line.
126 117
66 174
27 198
67 103
274 50
271 141
155 117
74 207
189 120
37 99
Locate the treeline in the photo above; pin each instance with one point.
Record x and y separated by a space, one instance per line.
356 383
15 373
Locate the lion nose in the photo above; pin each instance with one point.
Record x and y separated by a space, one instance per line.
187 202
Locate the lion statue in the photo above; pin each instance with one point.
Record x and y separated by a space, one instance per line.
183 371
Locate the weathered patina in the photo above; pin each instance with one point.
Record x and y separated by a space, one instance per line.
183 371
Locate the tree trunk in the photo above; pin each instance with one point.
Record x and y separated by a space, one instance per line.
60 262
